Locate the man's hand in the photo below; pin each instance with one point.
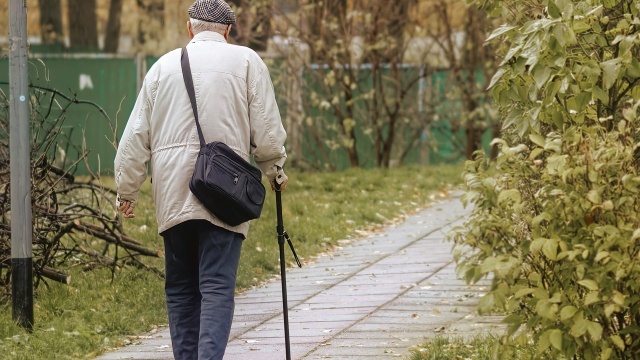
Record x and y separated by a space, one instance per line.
281 179
126 208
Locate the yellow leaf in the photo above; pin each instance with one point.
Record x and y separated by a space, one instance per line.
617 341
591 298
594 197
595 330
550 249
589 284
567 312
579 328
511 194
555 337
537 139
618 298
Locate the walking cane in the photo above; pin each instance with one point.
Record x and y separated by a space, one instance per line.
282 235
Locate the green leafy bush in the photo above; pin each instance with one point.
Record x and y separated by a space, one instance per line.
556 219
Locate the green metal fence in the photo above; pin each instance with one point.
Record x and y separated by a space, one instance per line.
108 82
112 84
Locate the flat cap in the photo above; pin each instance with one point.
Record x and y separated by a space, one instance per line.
216 11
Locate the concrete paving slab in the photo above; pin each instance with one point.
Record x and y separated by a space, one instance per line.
373 298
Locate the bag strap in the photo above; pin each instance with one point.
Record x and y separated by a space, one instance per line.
188 82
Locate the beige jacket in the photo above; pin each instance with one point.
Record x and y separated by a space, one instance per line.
236 105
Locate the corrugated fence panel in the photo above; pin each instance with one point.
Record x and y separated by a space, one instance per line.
107 82
111 84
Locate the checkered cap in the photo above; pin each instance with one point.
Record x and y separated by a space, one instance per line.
216 11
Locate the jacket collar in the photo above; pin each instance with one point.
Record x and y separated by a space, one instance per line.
208 36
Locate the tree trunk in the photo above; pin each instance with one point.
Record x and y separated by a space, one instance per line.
474 140
496 130
397 13
83 24
353 150
261 29
464 70
348 129
374 113
51 21
323 12
295 111
112 36
473 61
150 25
393 111
238 30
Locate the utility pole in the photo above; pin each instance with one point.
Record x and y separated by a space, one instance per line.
20 167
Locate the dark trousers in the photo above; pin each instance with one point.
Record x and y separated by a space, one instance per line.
201 265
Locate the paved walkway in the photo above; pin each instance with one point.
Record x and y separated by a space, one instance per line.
372 299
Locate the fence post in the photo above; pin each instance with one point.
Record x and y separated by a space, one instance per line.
20 167
422 112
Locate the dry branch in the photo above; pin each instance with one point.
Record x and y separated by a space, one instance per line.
62 206
56 275
120 241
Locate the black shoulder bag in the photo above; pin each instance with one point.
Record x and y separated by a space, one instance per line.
227 185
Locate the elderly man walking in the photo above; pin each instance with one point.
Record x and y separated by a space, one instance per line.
236 105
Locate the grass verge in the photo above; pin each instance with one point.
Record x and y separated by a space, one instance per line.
478 348
321 211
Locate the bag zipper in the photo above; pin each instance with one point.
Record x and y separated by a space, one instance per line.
236 177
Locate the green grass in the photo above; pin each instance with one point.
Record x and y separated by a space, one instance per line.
321 211
78 320
479 348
